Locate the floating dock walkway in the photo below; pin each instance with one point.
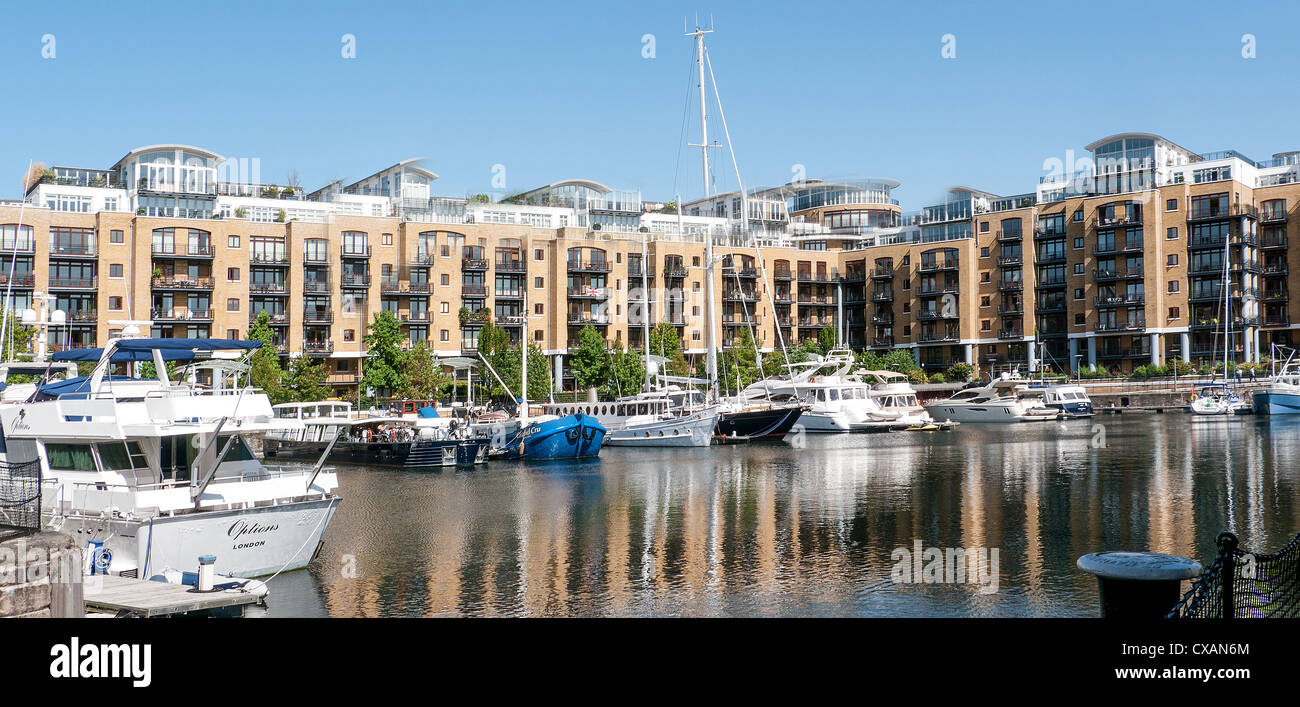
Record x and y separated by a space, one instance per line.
125 596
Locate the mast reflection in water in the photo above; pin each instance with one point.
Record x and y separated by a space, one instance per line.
771 530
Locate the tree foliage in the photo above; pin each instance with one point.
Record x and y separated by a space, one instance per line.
827 339
425 379
665 342
266 372
495 346
627 374
385 370
305 381
589 361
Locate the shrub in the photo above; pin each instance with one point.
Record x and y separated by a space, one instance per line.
959 372
916 375
938 378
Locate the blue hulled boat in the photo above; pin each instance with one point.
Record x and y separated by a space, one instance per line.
548 437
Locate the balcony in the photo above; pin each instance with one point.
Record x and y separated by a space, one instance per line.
1215 294
1009 260
473 290
1011 310
1052 258
1010 236
316 286
817 278
1276 295
824 300
315 255
343 378
1049 307
739 296
73 250
354 251
164 282
882 273
269 259
475 319
783 274
511 320
1119 220
1274 269
938 337
393 286
882 319
1049 284
882 341
1272 216
590 266
1110 275
927 315
584 318
783 298
354 282
937 265
272 319
1136 325
72 283
739 320
1273 240
1011 334
194 251
269 288
816 322
951 289
1041 233
1118 301
1125 353
25 246
854 276
181 314
1117 248
417 318
504 266
1236 210
317 315
508 294
1011 285
1272 320
745 273
672 271
473 264
421 260
589 293
318 348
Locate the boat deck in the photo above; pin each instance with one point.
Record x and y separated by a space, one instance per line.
143 598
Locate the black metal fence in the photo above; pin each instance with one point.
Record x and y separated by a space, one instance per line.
1245 585
20 496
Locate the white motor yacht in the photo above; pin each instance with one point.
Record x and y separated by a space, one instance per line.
149 475
1006 399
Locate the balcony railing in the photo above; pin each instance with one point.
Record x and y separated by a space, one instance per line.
937 265
316 286
272 319
391 285
272 258
269 288
1010 236
780 274
1235 210
935 314
1049 307
941 290
739 296
1116 248
510 266
24 280
180 314
473 290
582 319
1011 310
1118 301
887 296
1273 240
354 281
882 273
164 282
1122 326
1011 334
882 341
1011 285
1005 260
181 250
1272 215
354 251
678 271
732 272
72 283
1276 295
315 255
816 299
1118 274
72 250
596 266
317 348
317 315
593 293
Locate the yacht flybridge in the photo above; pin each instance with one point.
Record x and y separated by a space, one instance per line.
150 474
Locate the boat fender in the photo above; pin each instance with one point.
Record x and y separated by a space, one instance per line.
571 434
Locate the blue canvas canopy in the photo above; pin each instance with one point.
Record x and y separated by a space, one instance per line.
129 350
428 411
72 386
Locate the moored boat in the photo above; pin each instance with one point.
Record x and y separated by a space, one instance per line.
1006 399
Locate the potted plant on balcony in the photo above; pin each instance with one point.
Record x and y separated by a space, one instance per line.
279 218
241 212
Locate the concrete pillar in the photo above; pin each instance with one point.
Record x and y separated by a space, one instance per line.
916 354
1185 344
1092 351
559 372
970 354
1074 355
1033 354
1255 340
1155 350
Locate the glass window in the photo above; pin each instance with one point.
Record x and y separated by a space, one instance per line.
73 457
113 456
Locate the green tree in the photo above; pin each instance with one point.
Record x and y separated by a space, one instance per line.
385 370
827 339
425 379
266 371
589 360
305 381
665 342
627 374
738 365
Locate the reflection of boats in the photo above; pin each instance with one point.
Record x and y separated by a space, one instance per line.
1282 394
1006 399
421 441
1071 400
1211 399
152 474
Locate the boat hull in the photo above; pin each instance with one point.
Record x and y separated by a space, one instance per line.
416 455
766 423
687 431
247 542
1074 409
996 414
1268 402
570 437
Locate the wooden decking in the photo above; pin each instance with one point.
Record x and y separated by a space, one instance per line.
139 597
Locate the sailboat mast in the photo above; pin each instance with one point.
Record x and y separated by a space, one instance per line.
645 311
523 368
710 355
1227 320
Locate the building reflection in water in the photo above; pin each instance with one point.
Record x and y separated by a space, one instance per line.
766 529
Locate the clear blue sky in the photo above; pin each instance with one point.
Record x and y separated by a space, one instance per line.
555 90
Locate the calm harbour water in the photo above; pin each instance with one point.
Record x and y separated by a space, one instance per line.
774 530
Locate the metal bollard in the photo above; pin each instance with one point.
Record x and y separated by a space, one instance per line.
1138 585
206 572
